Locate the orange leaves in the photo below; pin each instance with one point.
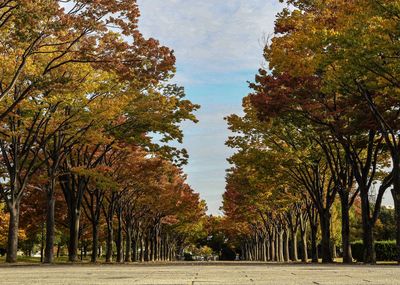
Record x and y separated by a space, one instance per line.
43 38
4 225
155 187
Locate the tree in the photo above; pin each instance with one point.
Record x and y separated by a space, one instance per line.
42 37
300 159
85 79
18 145
305 78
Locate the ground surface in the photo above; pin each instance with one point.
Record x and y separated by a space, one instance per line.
200 274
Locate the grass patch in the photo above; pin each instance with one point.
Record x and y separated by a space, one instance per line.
59 260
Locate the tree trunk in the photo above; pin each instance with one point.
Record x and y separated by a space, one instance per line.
134 250
50 228
264 250
100 250
333 247
12 242
304 254
162 248
109 214
281 256
146 249
303 234
141 250
171 253
293 248
159 246
347 258
255 248
325 220
73 242
110 240
58 250
41 245
314 246
368 242
286 248
248 252
277 253
397 217
151 245
273 250
396 199
95 241
128 244
119 237
368 236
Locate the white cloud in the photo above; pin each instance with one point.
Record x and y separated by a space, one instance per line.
210 36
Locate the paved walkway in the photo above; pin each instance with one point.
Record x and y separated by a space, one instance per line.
201 274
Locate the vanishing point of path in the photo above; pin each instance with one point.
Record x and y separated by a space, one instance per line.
200 274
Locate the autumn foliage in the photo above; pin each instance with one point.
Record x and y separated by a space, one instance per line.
320 132
82 93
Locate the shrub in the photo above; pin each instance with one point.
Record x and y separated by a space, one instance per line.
188 256
357 250
385 250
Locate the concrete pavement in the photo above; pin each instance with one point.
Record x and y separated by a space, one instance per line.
201 274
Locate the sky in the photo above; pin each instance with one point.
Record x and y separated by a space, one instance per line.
218 45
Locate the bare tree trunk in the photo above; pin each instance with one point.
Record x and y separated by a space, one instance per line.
272 242
347 258
95 241
146 249
134 249
314 246
326 236
109 214
58 250
281 256
50 225
264 250
249 253
293 239
286 248
396 199
110 240
255 247
303 232
163 248
41 244
100 247
333 247
120 257
304 254
128 244
12 242
151 248
294 245
73 235
141 249
368 237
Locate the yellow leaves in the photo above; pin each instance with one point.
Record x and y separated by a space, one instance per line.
4 220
